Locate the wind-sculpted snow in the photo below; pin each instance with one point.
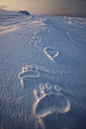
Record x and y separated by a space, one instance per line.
78 22
49 101
9 30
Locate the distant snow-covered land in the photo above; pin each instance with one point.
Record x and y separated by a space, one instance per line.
42 72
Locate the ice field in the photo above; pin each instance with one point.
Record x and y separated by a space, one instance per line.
42 72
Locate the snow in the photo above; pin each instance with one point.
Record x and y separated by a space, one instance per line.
42 72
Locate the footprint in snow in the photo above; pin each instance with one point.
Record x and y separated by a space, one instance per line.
30 72
51 53
28 75
36 32
35 41
48 100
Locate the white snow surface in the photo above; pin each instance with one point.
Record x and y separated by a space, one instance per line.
42 50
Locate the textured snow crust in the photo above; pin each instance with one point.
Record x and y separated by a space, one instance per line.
42 72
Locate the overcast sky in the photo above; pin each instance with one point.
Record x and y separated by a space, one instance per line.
48 7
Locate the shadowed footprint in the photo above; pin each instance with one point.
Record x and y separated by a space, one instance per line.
51 53
49 100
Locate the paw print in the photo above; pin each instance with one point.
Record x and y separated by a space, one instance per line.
51 53
49 99
30 72
28 75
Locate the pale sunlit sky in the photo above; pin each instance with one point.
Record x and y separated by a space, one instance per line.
47 7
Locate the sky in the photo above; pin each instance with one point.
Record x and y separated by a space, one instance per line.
46 7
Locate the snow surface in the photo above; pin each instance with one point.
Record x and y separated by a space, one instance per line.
42 72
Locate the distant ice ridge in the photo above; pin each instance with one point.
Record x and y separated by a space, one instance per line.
6 12
12 20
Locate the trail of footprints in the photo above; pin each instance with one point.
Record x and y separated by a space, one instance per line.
48 98
52 53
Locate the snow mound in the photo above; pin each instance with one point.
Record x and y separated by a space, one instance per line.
6 12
